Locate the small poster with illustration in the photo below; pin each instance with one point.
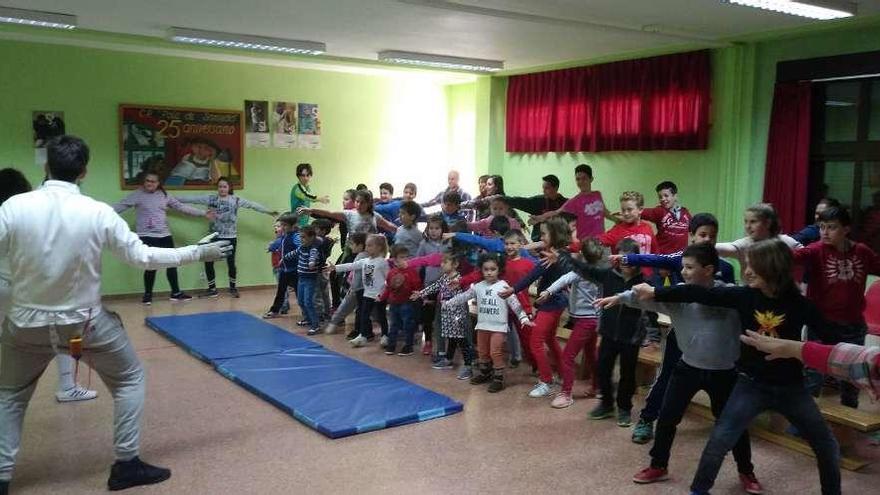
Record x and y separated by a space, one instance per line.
46 125
256 114
308 126
188 148
284 124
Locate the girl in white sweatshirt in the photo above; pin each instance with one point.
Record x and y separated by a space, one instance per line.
491 324
374 268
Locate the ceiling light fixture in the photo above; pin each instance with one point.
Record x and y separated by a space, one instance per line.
245 42
814 9
36 18
440 61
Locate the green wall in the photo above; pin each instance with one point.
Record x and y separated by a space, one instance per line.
375 129
724 178
383 128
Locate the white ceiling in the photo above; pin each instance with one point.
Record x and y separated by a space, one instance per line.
522 33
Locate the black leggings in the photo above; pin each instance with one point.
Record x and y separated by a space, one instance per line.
467 352
429 309
365 311
230 262
285 280
337 280
150 275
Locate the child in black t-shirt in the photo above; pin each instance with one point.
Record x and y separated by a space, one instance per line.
772 305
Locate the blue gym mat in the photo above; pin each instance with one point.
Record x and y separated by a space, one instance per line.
327 391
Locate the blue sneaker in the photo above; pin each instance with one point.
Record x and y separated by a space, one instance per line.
442 364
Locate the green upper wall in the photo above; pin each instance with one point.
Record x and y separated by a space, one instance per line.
379 128
724 178
375 129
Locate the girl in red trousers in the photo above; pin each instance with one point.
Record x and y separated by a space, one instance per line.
556 236
585 318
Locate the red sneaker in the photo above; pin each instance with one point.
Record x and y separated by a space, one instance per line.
427 349
651 475
751 484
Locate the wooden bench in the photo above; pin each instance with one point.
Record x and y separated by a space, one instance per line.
846 423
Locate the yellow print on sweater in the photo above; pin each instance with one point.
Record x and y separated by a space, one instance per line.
769 322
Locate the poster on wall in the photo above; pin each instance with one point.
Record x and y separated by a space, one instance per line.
284 124
308 126
256 114
189 148
46 125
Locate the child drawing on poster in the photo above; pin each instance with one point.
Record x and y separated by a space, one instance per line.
201 163
285 124
309 131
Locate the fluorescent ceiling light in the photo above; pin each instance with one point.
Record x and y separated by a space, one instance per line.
441 61
246 42
36 18
814 9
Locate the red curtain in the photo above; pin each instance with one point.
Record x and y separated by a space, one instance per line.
788 153
658 103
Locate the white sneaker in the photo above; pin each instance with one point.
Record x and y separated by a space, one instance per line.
384 341
358 341
330 328
562 401
541 390
75 394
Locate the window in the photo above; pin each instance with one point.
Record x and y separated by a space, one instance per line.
845 152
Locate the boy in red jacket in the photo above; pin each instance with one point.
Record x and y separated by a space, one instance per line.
671 219
399 285
631 226
838 269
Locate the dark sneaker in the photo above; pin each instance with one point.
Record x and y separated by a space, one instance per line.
352 335
497 384
514 363
269 315
601 412
211 293
406 351
624 419
313 331
135 473
481 377
302 323
651 475
180 297
643 432
147 300
285 310
390 349
233 292
442 364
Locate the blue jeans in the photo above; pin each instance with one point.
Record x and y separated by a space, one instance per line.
750 398
654 400
403 317
686 381
305 296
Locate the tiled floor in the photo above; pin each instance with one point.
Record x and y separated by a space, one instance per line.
218 438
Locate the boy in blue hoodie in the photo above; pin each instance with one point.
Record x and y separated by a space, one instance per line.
287 244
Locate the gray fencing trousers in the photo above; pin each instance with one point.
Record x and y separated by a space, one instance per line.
24 355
